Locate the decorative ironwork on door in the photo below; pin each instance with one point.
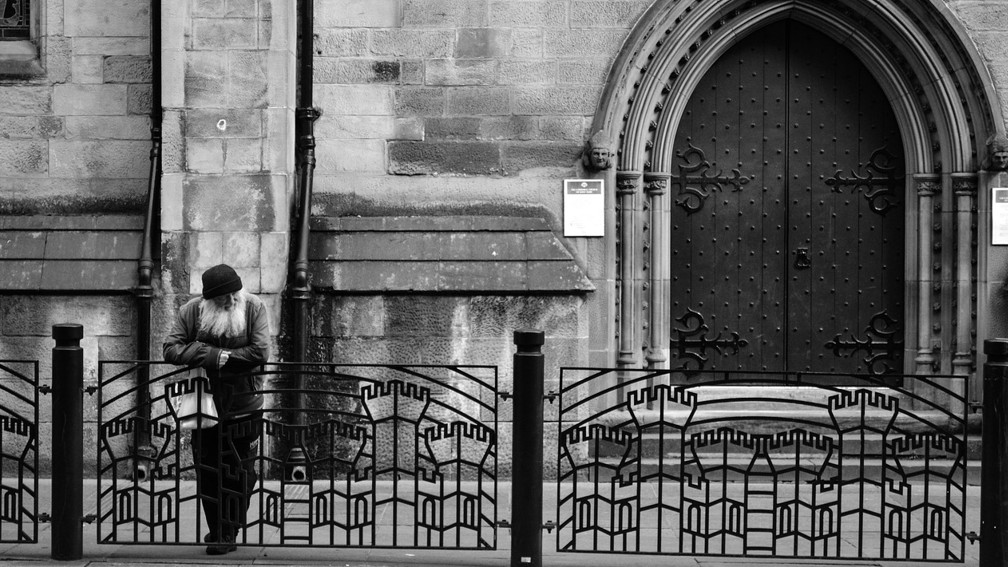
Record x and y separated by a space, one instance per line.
804 242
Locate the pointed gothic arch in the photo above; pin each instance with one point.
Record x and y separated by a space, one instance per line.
945 107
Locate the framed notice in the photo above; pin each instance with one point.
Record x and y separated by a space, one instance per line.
999 216
584 207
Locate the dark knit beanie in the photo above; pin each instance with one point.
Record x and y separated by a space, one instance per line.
219 280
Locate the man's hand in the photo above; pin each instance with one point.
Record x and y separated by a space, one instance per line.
223 358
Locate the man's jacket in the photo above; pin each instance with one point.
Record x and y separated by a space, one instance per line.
235 391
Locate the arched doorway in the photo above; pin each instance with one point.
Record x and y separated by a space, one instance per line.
786 213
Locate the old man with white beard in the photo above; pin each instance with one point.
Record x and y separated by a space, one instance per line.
226 333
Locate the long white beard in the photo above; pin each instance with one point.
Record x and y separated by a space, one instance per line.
219 322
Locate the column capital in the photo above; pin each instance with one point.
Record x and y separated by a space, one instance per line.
928 184
628 182
964 184
656 183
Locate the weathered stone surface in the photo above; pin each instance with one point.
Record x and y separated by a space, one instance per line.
206 249
93 245
224 33
517 157
472 158
205 155
482 43
243 155
525 72
138 99
106 158
242 249
583 71
355 100
357 13
127 69
461 72
107 18
419 101
356 71
509 128
341 42
466 128
229 203
606 13
444 13
107 46
26 101
94 100
350 155
413 43
20 275
108 127
247 79
982 16
577 101
205 79
87 69
20 158
354 127
507 13
22 245
561 128
527 43
29 127
34 315
578 43
479 101
273 260
237 123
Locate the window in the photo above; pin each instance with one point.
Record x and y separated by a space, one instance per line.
19 34
14 20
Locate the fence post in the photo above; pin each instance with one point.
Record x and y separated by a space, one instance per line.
67 442
994 467
527 451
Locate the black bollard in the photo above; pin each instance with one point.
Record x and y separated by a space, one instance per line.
67 443
527 451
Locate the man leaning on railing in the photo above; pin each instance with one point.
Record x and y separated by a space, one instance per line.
226 333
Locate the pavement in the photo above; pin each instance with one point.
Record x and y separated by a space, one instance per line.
152 555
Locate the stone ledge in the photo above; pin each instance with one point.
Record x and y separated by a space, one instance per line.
69 253
441 254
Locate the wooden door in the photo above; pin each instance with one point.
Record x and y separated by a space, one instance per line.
787 216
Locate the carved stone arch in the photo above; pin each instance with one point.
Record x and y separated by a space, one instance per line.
945 107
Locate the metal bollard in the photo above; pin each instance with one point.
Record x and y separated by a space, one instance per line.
527 451
67 443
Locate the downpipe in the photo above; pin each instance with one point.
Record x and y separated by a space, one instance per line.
144 292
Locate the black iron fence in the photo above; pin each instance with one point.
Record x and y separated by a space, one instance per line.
657 462
362 455
762 464
19 446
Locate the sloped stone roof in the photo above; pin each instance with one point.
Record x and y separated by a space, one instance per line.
461 254
69 253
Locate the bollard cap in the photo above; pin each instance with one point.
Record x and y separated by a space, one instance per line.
529 337
67 332
996 347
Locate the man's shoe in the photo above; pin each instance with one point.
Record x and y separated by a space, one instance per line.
227 545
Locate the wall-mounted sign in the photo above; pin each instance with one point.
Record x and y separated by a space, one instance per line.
999 216
584 207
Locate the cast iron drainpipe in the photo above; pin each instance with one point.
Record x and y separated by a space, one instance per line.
144 291
299 289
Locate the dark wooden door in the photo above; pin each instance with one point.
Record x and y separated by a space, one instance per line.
787 217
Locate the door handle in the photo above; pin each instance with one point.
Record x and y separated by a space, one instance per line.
802 260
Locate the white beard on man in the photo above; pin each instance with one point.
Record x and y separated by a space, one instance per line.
220 321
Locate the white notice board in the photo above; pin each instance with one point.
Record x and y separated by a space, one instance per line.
584 207
999 216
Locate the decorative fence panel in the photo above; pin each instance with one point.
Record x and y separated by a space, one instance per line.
380 456
19 446
762 465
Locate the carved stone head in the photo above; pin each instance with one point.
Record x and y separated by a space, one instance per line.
598 155
997 149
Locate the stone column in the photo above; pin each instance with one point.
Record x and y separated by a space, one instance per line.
965 187
928 185
229 70
656 184
627 186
